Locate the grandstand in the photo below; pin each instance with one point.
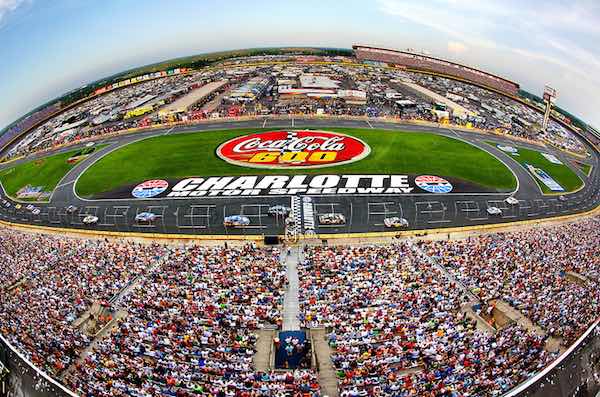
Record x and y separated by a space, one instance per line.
593 135
414 61
410 316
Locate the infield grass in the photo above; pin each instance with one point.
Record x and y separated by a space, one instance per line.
392 152
46 172
561 173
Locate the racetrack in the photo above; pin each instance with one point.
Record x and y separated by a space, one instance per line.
364 213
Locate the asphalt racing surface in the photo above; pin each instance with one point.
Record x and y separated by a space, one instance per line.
364 213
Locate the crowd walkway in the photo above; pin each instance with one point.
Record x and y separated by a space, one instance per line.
291 306
264 343
327 375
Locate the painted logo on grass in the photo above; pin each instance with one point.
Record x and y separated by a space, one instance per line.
508 149
433 184
293 149
150 189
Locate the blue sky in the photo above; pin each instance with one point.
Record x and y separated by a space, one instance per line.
48 47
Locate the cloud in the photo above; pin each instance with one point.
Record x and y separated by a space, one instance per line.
531 37
457 47
441 15
7 6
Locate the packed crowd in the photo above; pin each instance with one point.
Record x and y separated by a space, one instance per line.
530 270
57 280
190 330
397 328
396 315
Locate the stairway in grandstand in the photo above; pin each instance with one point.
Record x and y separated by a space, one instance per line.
97 338
316 338
327 375
552 344
264 350
291 307
97 331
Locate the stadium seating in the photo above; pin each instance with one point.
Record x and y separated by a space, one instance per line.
401 319
426 63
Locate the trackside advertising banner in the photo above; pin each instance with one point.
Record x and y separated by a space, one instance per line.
284 185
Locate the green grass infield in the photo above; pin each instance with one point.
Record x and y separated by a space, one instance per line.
561 173
45 172
392 152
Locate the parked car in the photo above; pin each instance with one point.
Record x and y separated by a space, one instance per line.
562 198
494 211
30 207
90 220
18 206
395 222
236 220
279 210
35 211
511 201
145 217
332 219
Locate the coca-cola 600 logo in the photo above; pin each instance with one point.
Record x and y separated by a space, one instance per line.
293 149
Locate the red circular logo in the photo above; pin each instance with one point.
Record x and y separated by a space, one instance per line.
293 149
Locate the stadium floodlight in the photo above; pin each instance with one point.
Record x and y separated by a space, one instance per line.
550 95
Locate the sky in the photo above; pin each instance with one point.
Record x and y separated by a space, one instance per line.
49 47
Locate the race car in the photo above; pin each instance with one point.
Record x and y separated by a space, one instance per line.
279 210
332 219
494 211
71 209
511 200
395 222
236 221
90 220
145 217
